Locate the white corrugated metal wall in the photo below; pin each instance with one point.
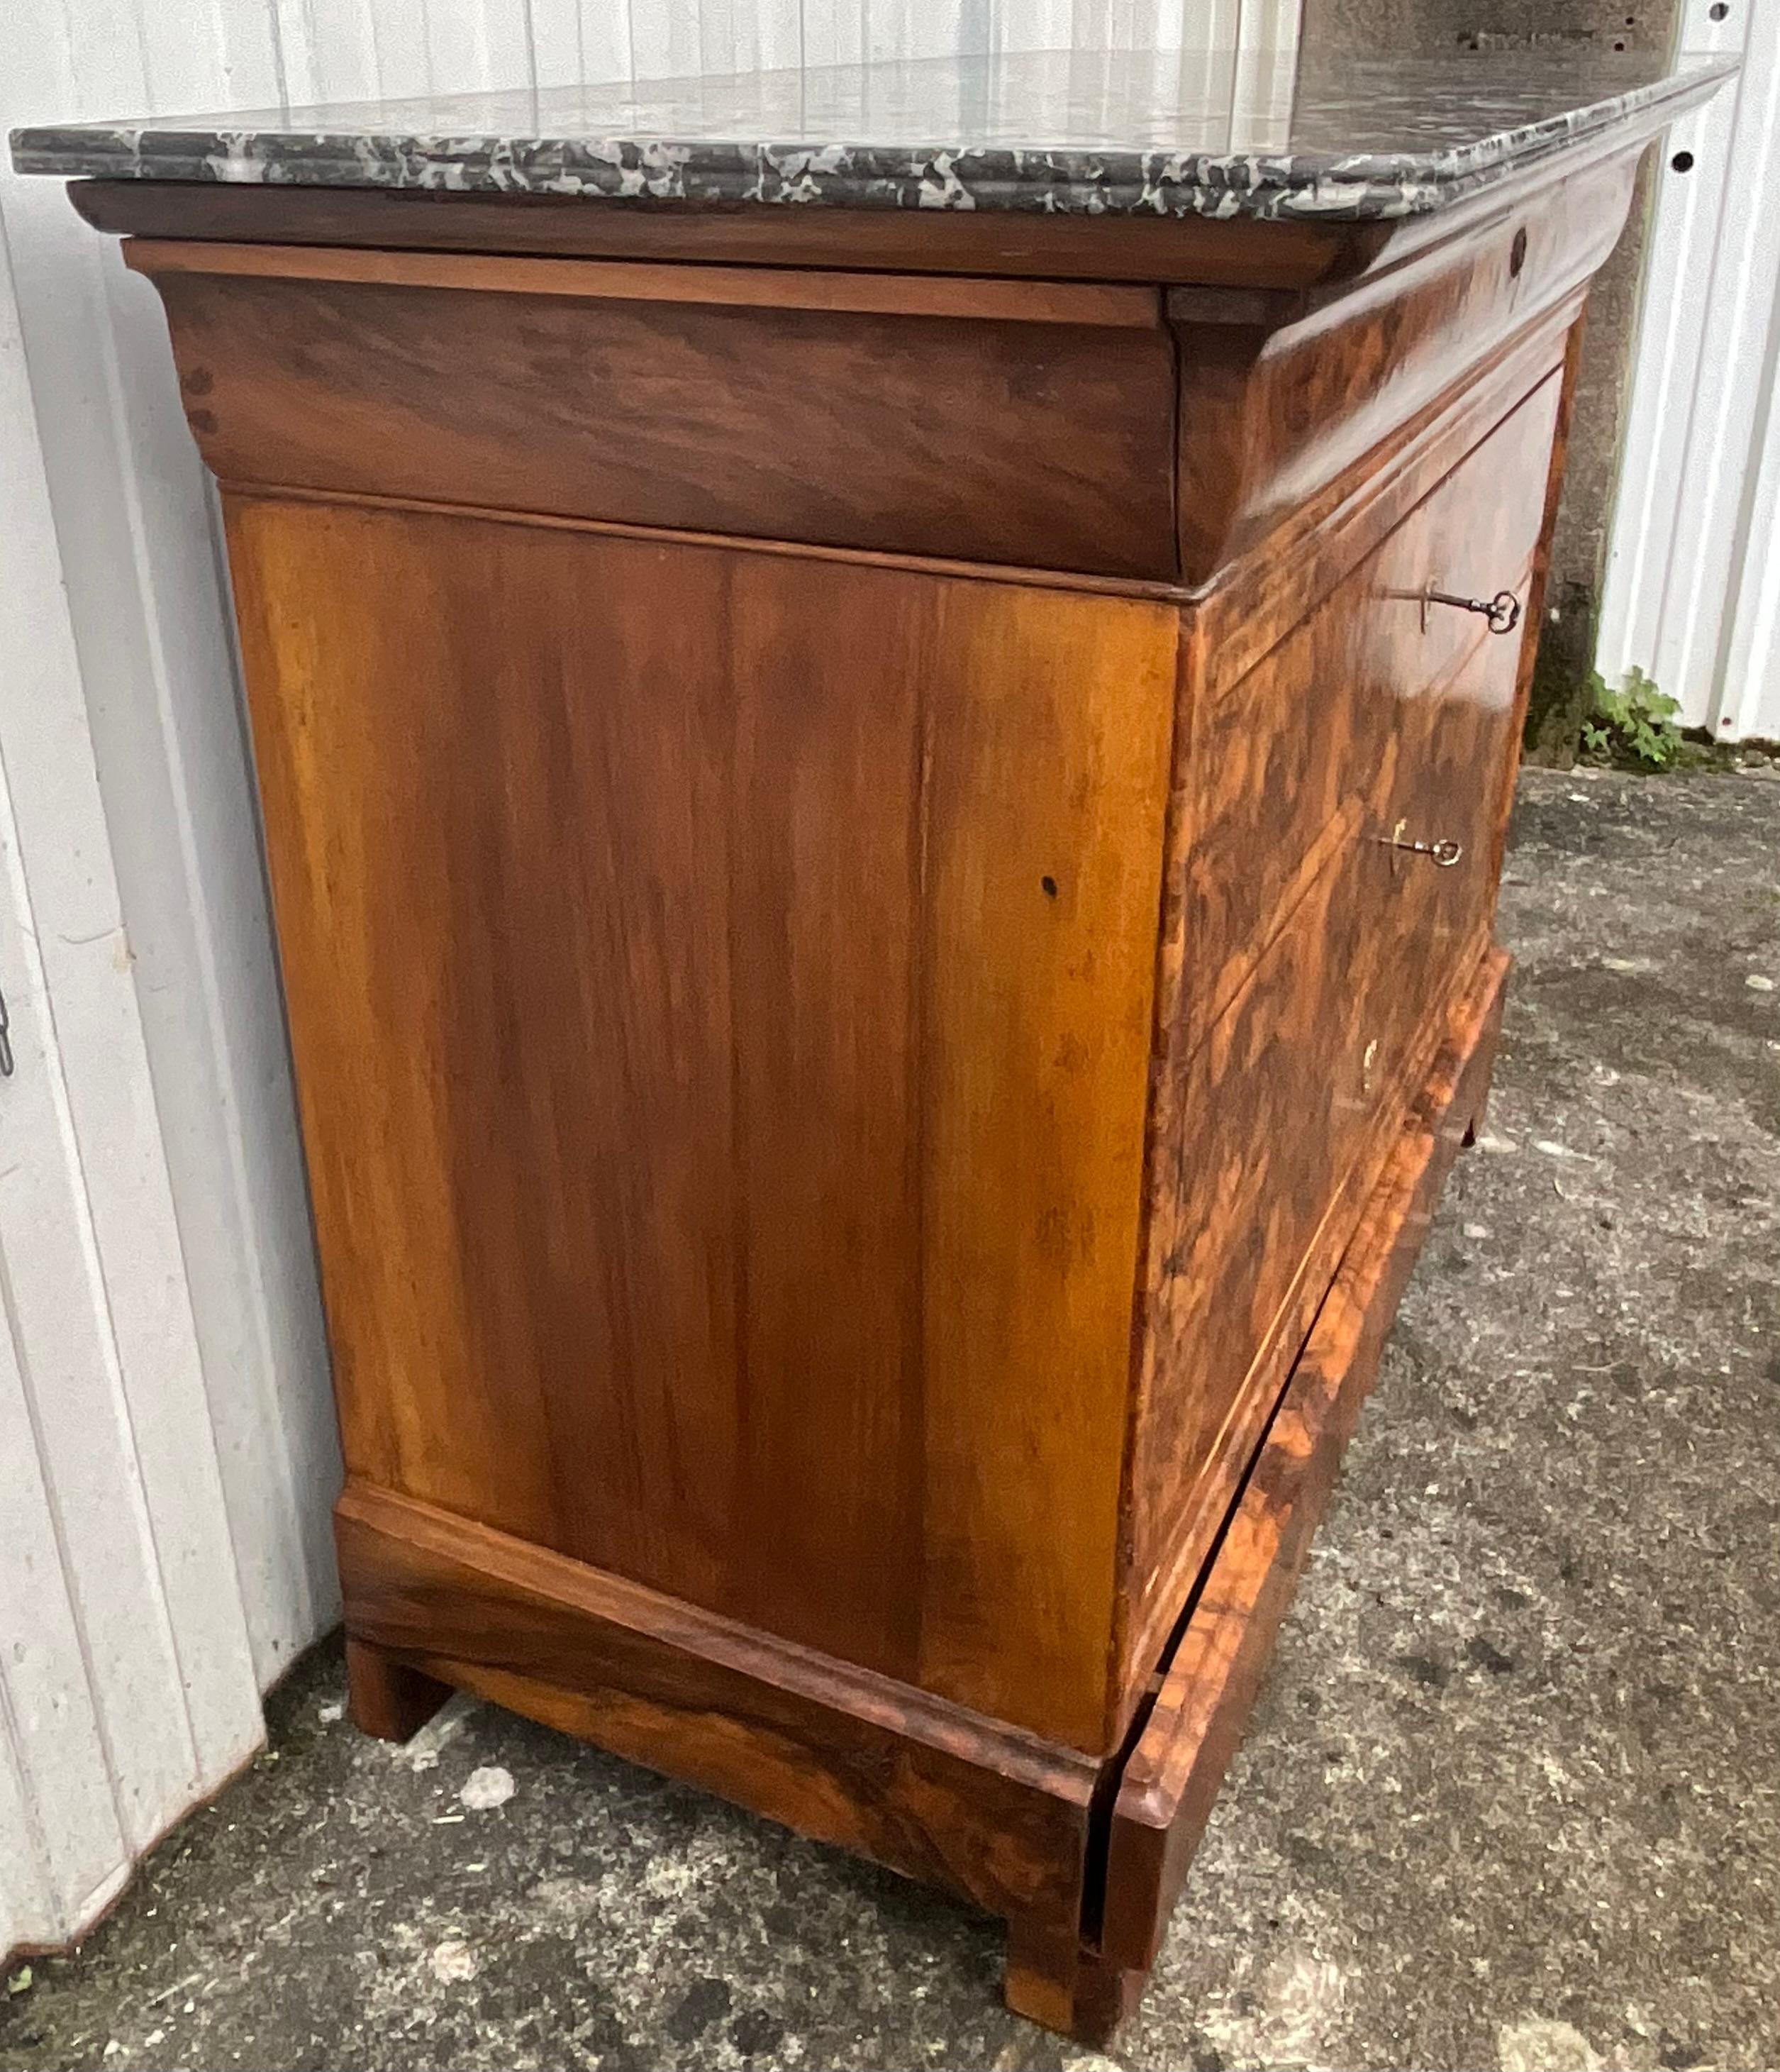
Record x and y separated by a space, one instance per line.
167 1457
1691 591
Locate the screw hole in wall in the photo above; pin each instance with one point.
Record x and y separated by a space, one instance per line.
1682 162
1718 10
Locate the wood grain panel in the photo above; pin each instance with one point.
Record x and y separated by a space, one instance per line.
1311 960
720 992
999 242
1345 701
1171 1778
1042 914
1288 402
927 1788
618 280
1042 443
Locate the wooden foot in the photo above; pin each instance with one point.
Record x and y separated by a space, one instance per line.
387 1698
1053 1979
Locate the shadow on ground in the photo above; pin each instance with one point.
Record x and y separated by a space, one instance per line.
1512 1794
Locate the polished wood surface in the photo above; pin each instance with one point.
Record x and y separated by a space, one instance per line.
725 287
1170 1779
928 1788
719 990
871 1064
1287 402
1044 247
1181 1746
1322 959
1029 436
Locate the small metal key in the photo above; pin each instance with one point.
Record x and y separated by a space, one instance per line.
1502 610
1445 854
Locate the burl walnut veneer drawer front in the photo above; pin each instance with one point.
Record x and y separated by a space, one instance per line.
1008 421
1332 716
1346 799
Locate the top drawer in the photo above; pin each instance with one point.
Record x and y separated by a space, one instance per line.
1015 421
1382 698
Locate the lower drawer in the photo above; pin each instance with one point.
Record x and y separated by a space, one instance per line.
1171 1773
1292 1082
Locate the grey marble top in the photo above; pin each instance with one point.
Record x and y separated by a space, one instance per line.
1214 133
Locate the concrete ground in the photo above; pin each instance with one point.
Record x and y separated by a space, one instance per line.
1512 1797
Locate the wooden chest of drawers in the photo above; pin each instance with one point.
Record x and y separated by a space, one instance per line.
885 878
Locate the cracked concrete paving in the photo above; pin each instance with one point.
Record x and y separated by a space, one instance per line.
1512 1797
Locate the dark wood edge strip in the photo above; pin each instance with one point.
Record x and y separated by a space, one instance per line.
839 1752
1147 250
632 1608
1182 1750
960 296
870 557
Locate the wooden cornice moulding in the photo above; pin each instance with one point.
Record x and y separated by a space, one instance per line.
1045 247
1088 302
1286 400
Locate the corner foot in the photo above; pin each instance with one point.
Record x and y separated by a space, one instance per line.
388 1698
1053 1979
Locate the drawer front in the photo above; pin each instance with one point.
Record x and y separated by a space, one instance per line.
1344 710
1171 1777
1277 1106
1020 422
1320 947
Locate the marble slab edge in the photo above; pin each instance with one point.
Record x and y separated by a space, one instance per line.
1360 187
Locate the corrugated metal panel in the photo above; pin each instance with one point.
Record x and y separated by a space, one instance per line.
1692 583
126 1681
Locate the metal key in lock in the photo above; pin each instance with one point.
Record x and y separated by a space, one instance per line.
1445 854
1501 611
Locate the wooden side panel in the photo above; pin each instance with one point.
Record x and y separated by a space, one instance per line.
1037 442
719 987
927 1788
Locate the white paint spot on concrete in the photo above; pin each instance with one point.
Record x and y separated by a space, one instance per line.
1292 2015
1477 1230
330 1715
1497 1144
453 1962
1628 964
1538 2046
1757 983
486 1788
567 1900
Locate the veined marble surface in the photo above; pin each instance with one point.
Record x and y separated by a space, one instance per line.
1177 133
